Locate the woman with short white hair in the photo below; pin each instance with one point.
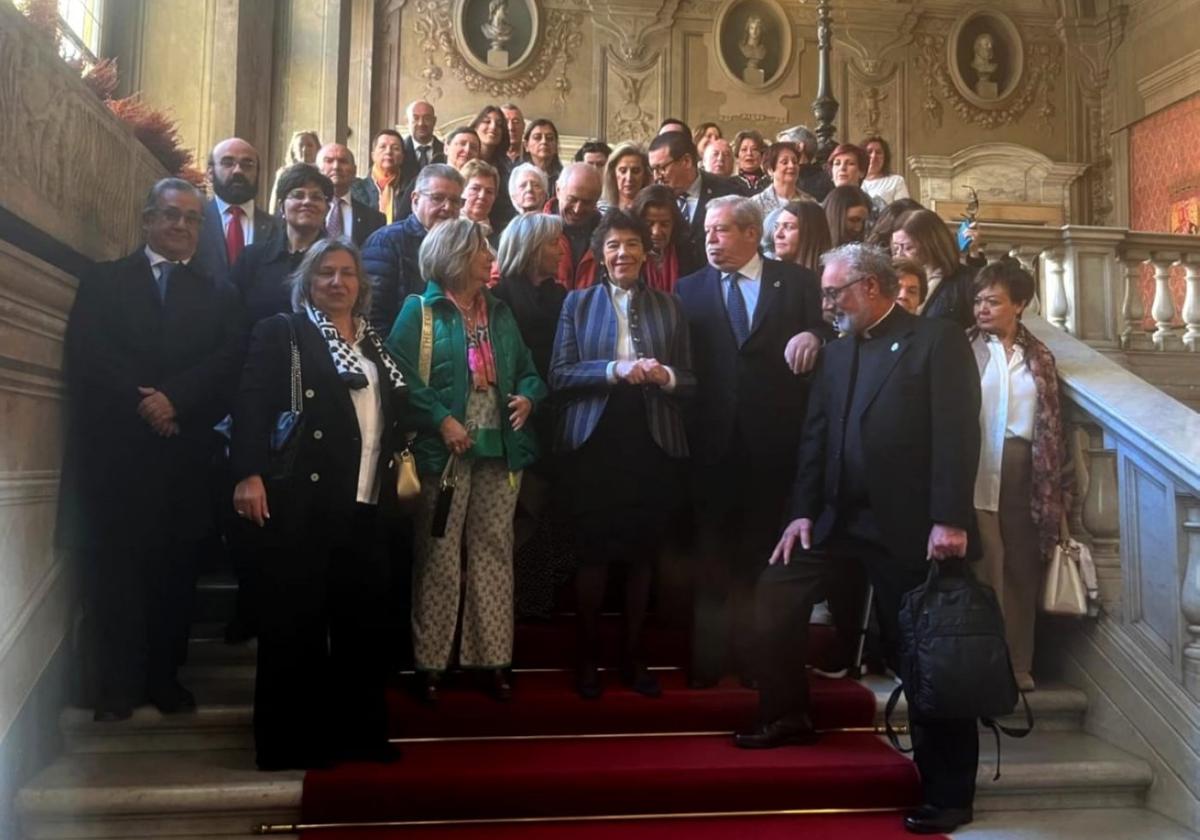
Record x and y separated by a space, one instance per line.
528 187
470 401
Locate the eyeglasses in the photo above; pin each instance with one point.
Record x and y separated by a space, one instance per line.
443 200
174 215
315 196
832 295
662 168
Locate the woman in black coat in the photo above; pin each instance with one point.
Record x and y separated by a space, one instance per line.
923 237
323 503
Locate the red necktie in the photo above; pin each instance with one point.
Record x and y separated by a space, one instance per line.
235 239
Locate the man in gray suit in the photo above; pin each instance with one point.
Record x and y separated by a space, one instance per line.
233 169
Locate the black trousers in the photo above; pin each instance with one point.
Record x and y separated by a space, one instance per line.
946 751
139 594
739 510
320 689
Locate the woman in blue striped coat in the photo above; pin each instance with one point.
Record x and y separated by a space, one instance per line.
621 367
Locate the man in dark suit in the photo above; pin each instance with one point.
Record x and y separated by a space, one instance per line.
675 163
421 148
743 312
390 256
152 350
233 169
886 475
347 217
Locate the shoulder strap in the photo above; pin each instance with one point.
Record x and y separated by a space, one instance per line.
426 359
297 387
887 719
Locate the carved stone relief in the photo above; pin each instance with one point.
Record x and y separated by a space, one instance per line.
631 24
632 107
555 47
1039 63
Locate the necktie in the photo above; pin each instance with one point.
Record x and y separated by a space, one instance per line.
683 206
235 239
333 224
422 156
735 304
164 276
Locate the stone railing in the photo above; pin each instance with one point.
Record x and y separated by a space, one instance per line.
1090 282
1137 463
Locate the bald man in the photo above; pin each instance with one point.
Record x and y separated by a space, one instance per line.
421 147
347 217
233 168
576 194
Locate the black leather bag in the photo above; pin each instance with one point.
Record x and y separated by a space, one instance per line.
289 424
953 657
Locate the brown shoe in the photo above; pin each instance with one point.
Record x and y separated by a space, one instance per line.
796 731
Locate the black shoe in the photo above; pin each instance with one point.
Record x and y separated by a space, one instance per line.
641 681
112 715
587 682
384 753
777 733
499 688
172 698
929 819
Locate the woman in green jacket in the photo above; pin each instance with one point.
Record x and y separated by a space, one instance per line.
470 399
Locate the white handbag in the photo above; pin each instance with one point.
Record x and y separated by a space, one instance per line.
1071 588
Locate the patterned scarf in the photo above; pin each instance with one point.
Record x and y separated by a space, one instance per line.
385 183
662 274
480 358
1050 477
346 359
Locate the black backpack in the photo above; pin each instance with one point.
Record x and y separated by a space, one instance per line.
953 656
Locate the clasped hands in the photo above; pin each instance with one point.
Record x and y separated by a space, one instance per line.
945 541
643 372
157 411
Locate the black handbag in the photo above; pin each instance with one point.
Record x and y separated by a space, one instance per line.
286 432
953 656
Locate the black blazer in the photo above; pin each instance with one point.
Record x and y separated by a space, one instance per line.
919 428
325 476
367 220
750 391
364 192
409 169
210 252
954 298
711 186
121 336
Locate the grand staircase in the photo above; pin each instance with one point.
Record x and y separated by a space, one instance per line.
472 768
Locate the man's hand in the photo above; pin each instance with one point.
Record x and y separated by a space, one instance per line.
797 529
945 542
157 411
802 351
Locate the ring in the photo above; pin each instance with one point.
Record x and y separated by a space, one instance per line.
241 513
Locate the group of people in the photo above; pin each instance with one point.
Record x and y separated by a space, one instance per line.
696 341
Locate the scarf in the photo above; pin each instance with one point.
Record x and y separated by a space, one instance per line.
480 359
386 194
1050 478
663 274
346 359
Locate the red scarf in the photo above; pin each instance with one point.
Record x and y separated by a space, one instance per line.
663 274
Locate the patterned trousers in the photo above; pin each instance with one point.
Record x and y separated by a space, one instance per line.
481 515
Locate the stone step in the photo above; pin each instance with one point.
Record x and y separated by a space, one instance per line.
1074 824
1055 707
216 594
210 793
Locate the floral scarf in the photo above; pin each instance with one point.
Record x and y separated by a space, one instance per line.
662 274
480 359
347 360
1050 477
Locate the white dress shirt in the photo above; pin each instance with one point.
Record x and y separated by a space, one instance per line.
625 351
247 219
156 260
693 199
1007 409
750 282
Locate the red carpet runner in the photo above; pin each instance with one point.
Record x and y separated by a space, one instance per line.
633 757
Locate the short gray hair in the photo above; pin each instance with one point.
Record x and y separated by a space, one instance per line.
166 185
523 240
447 250
801 136
519 172
302 278
570 170
437 170
746 213
767 243
863 260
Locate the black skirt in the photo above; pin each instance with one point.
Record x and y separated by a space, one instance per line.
625 488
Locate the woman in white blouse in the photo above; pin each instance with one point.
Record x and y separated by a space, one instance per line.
782 162
880 183
1019 493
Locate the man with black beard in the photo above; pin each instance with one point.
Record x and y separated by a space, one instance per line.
233 172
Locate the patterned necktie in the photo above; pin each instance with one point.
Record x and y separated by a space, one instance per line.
683 206
165 269
333 223
735 304
422 156
235 239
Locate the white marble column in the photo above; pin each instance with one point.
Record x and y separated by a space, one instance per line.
1191 303
1057 305
1190 596
1163 308
1132 309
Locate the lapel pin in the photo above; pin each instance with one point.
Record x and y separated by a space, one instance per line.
895 346
776 284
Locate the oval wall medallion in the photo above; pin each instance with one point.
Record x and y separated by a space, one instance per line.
753 40
497 38
986 57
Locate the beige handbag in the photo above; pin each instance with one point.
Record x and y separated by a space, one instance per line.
408 482
1070 578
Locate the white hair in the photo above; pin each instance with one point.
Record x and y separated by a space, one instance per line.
519 172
